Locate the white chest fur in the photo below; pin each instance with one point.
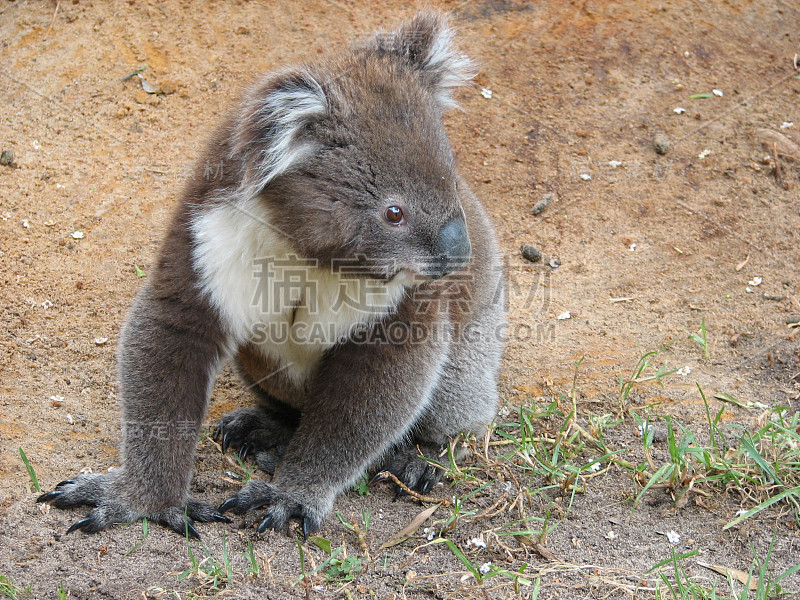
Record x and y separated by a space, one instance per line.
292 308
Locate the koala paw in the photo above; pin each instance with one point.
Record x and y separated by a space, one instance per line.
413 470
97 490
254 431
281 507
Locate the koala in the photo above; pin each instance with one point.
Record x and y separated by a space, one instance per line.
327 247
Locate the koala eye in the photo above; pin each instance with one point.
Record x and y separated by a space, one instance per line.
394 215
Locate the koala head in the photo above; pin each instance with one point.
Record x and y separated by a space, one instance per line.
350 156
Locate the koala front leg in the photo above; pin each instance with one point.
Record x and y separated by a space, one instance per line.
465 401
168 359
364 398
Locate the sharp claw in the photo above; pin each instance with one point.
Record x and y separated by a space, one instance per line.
49 496
192 531
217 432
267 523
65 482
221 518
226 441
307 527
244 451
377 477
425 487
79 525
397 493
229 504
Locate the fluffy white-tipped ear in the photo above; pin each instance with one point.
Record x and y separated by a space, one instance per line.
268 135
426 44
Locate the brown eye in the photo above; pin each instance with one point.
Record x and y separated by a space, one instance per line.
394 215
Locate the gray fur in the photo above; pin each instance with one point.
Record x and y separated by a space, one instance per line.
316 154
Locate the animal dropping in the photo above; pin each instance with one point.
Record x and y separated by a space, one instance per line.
327 246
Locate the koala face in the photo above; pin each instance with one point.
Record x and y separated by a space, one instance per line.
379 188
356 166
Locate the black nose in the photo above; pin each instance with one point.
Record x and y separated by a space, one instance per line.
454 249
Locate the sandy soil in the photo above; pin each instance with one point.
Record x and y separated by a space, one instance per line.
578 92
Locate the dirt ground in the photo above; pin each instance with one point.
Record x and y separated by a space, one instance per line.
649 245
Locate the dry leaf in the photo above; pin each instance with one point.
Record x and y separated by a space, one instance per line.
741 265
783 145
409 530
528 541
740 576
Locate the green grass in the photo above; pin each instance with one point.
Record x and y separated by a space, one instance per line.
253 568
763 465
8 589
645 371
563 462
31 472
145 530
701 338
338 567
212 574
676 584
483 571
459 510
757 583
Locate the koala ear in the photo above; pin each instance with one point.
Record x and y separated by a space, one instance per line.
268 134
425 43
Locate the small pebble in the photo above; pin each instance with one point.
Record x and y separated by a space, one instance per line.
792 319
7 158
659 435
661 143
530 253
555 263
542 204
168 87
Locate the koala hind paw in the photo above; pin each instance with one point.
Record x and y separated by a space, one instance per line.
254 431
413 470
